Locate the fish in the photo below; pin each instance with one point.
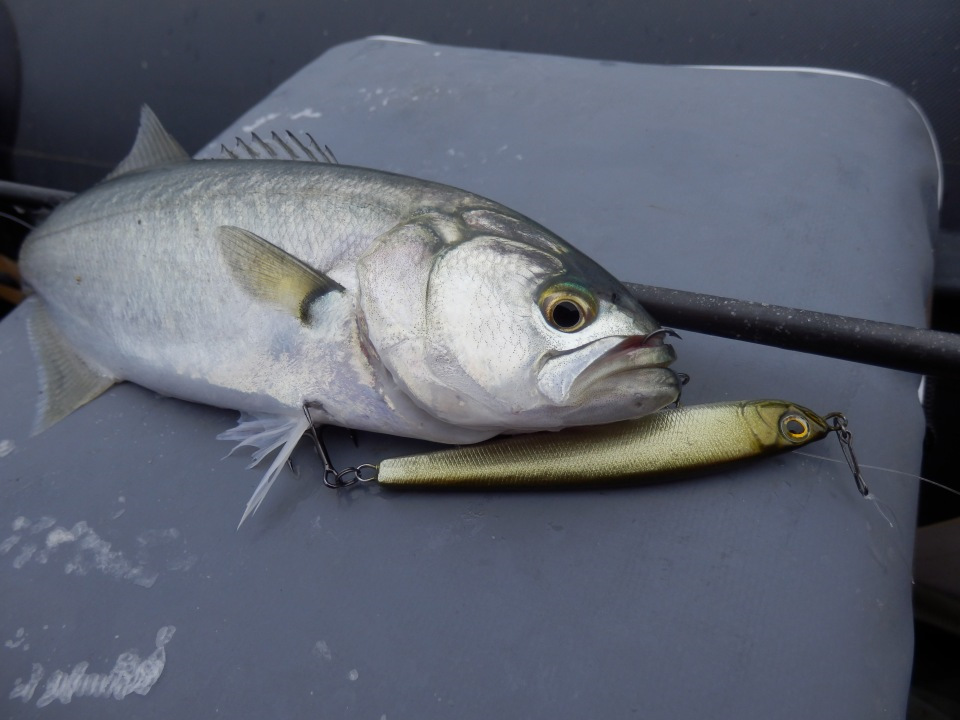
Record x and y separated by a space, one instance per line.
314 293
669 442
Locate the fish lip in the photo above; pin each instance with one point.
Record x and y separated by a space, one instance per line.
600 360
640 342
632 355
651 339
641 357
628 346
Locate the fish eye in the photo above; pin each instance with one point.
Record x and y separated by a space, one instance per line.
567 315
794 427
568 308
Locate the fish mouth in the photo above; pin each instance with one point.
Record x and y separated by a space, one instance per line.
631 355
566 376
629 349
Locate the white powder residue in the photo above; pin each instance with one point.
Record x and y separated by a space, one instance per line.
23 557
260 121
306 113
7 545
321 650
60 536
84 550
38 526
95 553
25 690
130 674
6 447
18 639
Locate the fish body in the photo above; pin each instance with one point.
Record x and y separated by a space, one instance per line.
671 441
375 301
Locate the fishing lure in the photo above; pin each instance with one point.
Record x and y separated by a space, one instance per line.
671 441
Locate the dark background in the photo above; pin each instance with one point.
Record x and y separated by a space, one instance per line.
87 65
73 75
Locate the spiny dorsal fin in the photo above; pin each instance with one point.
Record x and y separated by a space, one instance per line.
316 154
153 146
67 381
270 274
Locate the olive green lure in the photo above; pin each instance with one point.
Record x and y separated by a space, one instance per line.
671 441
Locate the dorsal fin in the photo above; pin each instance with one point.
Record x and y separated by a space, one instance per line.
153 146
318 154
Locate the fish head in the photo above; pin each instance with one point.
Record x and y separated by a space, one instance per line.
513 330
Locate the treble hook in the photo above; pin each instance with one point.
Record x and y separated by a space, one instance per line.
332 477
329 471
683 379
838 424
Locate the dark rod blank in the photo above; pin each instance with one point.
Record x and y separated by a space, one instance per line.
918 350
31 195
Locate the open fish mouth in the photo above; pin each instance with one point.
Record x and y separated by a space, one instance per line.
564 377
640 351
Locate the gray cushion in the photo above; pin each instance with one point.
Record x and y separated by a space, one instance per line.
769 590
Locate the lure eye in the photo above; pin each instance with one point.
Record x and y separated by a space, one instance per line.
794 427
568 308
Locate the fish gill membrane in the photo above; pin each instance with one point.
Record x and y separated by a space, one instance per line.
380 302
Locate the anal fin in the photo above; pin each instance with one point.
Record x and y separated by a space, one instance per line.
267 433
67 381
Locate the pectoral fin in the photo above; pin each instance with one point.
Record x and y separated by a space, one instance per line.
270 274
67 381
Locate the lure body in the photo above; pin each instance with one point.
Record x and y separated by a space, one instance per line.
670 441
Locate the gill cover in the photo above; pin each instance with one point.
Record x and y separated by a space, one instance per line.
486 321
441 310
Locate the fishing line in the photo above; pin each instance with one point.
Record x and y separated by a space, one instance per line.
912 476
871 496
889 519
15 219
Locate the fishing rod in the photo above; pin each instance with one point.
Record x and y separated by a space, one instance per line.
32 196
901 347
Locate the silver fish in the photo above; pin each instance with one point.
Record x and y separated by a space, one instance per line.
375 301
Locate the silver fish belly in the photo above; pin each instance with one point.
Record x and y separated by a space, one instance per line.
377 301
